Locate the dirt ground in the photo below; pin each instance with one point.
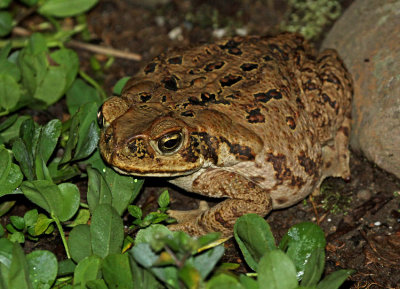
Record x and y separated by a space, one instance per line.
361 218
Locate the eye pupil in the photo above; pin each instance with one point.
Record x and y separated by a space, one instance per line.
170 142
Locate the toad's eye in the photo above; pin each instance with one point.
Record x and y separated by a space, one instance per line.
100 117
170 143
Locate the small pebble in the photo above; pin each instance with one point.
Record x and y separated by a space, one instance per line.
364 194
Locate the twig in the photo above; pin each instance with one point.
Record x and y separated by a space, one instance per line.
89 47
104 50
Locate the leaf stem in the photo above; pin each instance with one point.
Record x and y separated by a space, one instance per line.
93 83
61 230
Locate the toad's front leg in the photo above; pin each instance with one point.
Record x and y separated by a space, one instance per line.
243 197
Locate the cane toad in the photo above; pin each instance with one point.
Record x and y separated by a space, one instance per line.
256 121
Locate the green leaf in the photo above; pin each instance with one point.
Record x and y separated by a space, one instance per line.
18 222
96 284
98 190
254 237
142 278
153 235
300 241
206 261
190 276
81 218
124 189
277 270
12 131
31 217
9 121
32 61
117 272
106 230
135 211
143 254
10 174
62 8
6 252
5 23
79 94
48 139
24 157
9 68
41 226
61 201
10 92
86 270
79 243
71 198
4 3
66 267
248 282
52 86
224 281
163 200
19 271
83 134
314 268
43 268
334 280
117 90
69 61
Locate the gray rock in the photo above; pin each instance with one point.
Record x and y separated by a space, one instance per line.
367 36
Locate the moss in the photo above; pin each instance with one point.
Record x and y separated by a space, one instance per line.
310 17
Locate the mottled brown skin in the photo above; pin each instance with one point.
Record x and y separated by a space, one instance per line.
258 121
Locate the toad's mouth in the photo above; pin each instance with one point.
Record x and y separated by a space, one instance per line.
157 173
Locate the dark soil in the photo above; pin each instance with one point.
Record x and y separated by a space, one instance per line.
361 218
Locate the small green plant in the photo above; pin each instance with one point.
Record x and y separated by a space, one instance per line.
334 200
153 217
310 17
32 225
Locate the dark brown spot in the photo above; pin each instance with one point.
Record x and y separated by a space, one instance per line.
327 99
170 83
255 116
278 161
290 122
267 58
107 137
214 66
299 103
144 96
309 85
257 179
188 113
232 47
164 98
307 163
248 66
297 182
175 60
243 153
344 130
278 51
230 80
282 200
328 165
267 96
221 220
150 67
